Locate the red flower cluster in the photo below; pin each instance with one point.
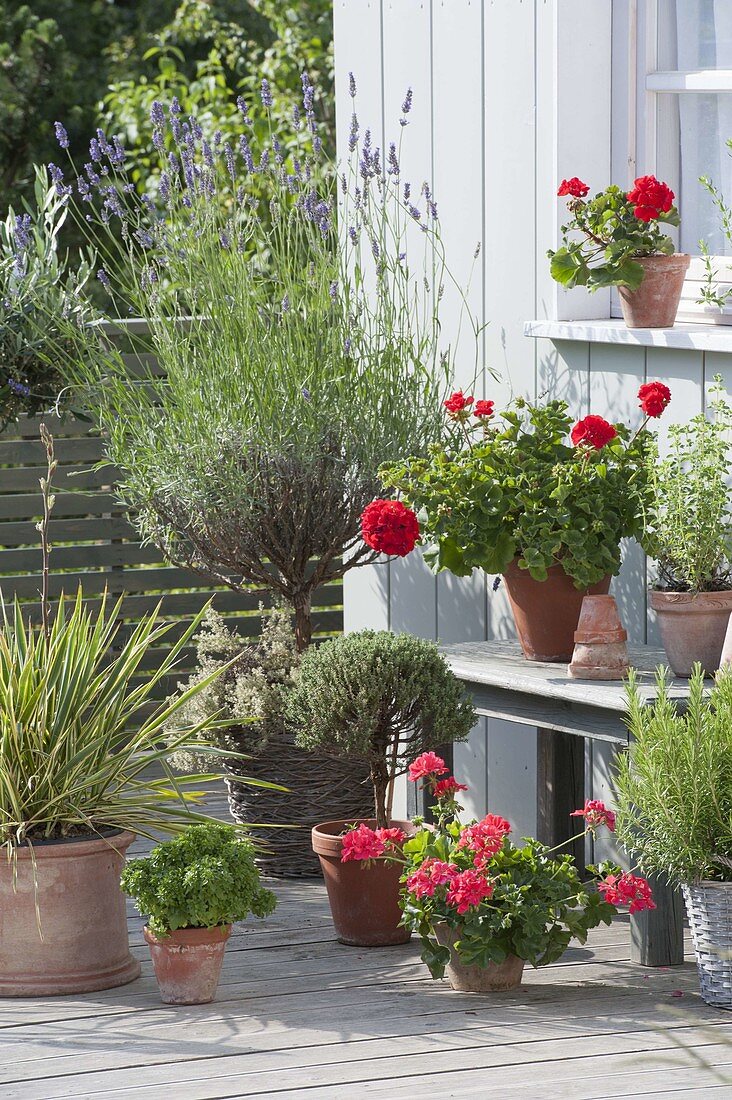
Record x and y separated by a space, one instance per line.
458 406
627 889
448 788
426 765
468 888
650 198
596 813
458 402
574 187
389 527
366 843
433 873
484 409
594 431
484 838
653 398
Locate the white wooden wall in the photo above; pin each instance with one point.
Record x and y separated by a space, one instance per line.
509 97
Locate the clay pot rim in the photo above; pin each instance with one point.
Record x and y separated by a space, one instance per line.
327 841
690 603
190 936
75 846
666 256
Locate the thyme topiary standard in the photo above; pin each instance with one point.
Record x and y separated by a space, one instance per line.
379 697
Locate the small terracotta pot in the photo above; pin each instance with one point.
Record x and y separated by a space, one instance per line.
187 963
82 945
725 659
493 978
546 612
364 901
693 626
655 303
600 642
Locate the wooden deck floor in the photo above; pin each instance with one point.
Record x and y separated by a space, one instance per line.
299 1015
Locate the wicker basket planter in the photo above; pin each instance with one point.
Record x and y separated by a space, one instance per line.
320 788
709 908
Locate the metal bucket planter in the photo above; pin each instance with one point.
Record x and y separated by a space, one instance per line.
320 788
709 908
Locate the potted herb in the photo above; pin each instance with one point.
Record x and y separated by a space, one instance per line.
688 530
249 693
378 698
528 494
616 239
484 907
192 889
674 807
83 768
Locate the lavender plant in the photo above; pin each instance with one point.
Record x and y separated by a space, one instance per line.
296 331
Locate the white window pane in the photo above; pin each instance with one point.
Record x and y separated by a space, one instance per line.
693 130
695 34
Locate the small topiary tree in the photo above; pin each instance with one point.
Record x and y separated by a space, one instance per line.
379 697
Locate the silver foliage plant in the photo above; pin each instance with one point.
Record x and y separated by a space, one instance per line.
294 314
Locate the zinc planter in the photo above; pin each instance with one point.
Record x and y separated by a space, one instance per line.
187 963
692 626
364 900
709 908
82 945
546 613
655 303
494 978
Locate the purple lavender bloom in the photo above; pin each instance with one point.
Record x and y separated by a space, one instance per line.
277 150
347 346
264 160
103 278
23 236
393 160
375 250
407 191
243 109
94 151
266 94
117 156
296 119
286 304
207 154
407 104
246 153
93 177
84 189
353 134
353 234
414 212
496 583
61 136
477 251
157 114
224 239
196 129
175 107
351 85
63 190
217 138
306 393
308 94
229 155
344 183
333 291
18 388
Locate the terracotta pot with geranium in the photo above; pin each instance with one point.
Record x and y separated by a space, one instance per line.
484 907
616 239
375 697
529 495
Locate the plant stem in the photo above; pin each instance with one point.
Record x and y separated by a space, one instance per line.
48 502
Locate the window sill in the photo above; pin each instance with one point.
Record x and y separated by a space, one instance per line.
697 337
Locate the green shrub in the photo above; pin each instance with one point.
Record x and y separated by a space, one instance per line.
204 877
675 784
378 697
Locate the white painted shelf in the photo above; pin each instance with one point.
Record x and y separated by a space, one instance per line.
698 337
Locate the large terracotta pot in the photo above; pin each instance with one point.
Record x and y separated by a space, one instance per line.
82 944
656 301
493 978
187 963
364 901
546 613
693 626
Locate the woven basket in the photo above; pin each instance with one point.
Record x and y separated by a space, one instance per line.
320 788
709 907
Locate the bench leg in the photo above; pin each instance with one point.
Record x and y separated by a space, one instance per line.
657 935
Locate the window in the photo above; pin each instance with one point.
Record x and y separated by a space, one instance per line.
679 57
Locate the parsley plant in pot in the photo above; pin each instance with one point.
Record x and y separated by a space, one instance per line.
674 811
617 239
527 494
485 907
688 530
192 889
378 698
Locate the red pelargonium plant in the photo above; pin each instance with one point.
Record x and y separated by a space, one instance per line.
607 234
389 527
499 899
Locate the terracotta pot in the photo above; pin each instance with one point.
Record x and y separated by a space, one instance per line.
187 963
693 626
494 978
546 612
600 642
656 301
82 944
364 901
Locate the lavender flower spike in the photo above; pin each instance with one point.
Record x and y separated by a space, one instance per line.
103 278
352 85
157 113
61 136
407 104
266 94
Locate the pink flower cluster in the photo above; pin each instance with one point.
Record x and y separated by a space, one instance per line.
465 889
596 813
484 838
627 889
433 873
428 766
365 843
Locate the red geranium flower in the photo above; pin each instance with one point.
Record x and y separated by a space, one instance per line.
433 873
468 888
457 402
389 527
627 889
361 843
484 408
446 788
594 431
393 835
596 813
653 398
484 838
650 198
429 763
574 187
